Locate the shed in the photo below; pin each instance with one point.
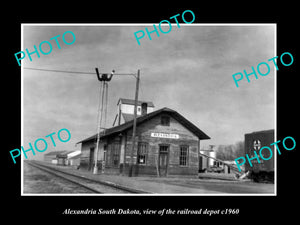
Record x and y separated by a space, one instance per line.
51 157
69 158
73 158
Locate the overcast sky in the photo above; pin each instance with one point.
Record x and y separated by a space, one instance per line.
188 70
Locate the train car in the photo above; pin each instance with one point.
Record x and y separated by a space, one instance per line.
261 170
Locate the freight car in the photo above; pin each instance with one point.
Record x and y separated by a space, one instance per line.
262 171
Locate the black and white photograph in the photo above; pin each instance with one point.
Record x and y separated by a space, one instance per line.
163 116
124 114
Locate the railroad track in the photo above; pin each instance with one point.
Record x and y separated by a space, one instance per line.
95 186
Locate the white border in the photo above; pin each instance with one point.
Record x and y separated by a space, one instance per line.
22 118
151 24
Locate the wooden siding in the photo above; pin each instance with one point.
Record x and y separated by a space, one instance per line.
85 154
143 134
186 138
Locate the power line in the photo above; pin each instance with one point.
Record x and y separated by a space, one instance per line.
74 72
58 71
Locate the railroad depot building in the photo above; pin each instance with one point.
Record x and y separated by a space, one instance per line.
167 144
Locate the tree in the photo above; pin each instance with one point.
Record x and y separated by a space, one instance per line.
230 152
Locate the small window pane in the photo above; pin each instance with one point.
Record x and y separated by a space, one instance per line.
142 153
115 154
165 120
183 157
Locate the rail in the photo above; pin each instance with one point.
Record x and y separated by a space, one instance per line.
63 174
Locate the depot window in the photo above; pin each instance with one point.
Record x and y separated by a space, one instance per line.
115 153
165 121
184 155
104 152
142 153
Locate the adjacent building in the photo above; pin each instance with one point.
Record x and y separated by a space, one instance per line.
51 157
126 110
65 158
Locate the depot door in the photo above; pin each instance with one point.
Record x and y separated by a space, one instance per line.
163 160
91 158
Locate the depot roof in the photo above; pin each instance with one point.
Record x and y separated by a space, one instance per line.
141 119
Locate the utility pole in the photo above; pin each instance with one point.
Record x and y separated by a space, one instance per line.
134 122
99 121
104 78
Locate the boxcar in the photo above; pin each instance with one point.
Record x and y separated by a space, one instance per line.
262 170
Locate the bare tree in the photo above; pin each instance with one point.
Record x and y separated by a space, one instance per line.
230 152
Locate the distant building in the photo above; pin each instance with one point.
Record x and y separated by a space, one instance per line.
205 162
126 110
51 157
65 158
73 158
62 159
